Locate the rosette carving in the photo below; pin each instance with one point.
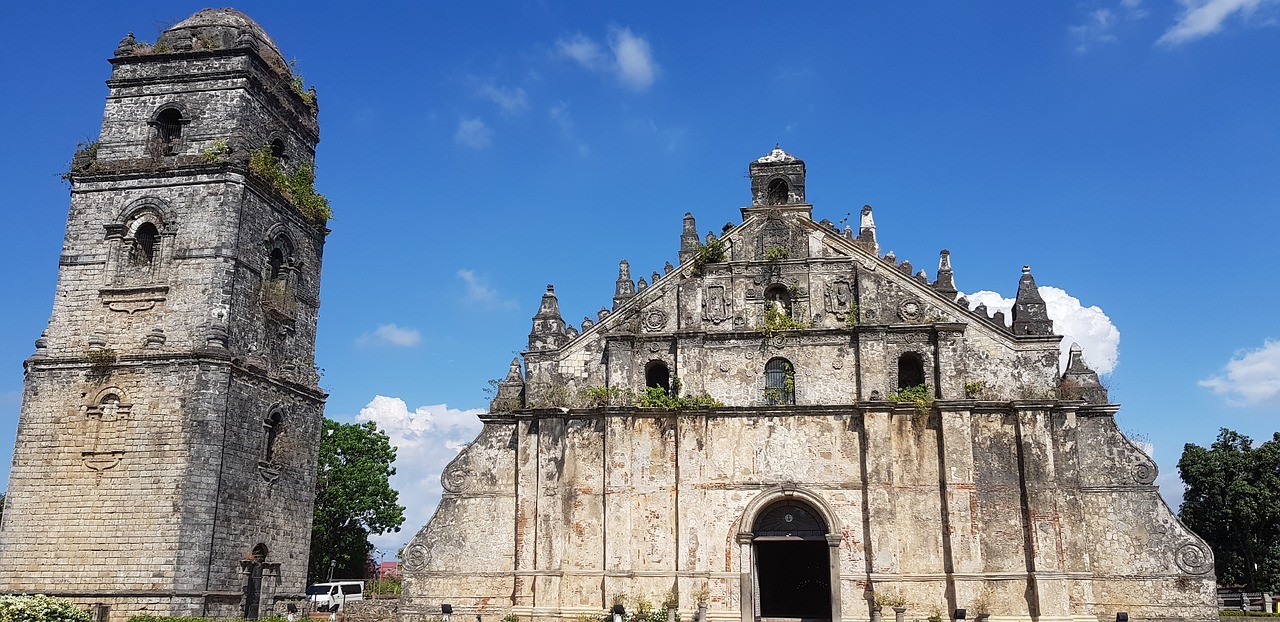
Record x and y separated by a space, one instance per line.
415 557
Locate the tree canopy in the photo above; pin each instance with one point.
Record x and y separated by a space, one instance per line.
1233 502
354 498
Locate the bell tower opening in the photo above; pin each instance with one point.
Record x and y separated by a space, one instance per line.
793 565
777 179
778 192
656 374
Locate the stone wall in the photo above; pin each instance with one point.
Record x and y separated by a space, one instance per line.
1043 507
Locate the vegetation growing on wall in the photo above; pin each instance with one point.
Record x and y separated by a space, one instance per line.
920 395
776 321
299 187
709 253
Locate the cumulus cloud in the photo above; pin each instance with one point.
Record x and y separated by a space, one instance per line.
391 335
480 293
1088 326
1250 378
629 58
509 100
473 134
426 439
1201 18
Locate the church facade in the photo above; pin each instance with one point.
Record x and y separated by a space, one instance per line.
166 454
788 424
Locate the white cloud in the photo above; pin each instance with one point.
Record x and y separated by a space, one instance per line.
473 133
582 50
426 439
1099 23
391 335
635 63
480 293
1088 326
1201 18
629 59
1250 378
509 101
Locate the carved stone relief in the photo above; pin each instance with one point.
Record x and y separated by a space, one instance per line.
839 299
715 307
910 310
655 320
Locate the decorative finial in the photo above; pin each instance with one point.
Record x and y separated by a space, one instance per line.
1030 315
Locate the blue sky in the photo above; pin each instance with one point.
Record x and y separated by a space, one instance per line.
1127 150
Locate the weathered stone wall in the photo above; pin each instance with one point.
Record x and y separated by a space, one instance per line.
704 324
999 498
170 419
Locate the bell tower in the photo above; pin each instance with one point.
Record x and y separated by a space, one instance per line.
777 178
167 444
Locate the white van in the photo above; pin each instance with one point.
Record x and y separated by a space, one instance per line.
326 595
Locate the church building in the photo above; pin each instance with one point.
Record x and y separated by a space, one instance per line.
788 424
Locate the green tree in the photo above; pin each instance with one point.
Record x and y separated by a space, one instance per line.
1233 502
354 498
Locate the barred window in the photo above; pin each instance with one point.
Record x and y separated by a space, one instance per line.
779 382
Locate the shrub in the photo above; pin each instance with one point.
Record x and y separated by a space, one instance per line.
975 390
889 599
594 397
776 321
851 317
298 187
101 360
774 254
918 395
40 608
711 252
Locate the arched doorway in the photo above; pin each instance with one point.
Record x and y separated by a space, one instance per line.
792 562
253 581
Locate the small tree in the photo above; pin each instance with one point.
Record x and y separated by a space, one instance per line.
1233 502
354 498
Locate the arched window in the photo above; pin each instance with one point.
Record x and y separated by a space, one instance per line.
109 404
778 298
271 430
169 129
276 263
779 382
259 553
277 150
910 370
656 374
791 520
778 193
146 241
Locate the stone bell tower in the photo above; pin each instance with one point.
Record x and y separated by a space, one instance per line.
166 452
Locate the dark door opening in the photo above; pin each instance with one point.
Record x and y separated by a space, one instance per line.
253 592
794 578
